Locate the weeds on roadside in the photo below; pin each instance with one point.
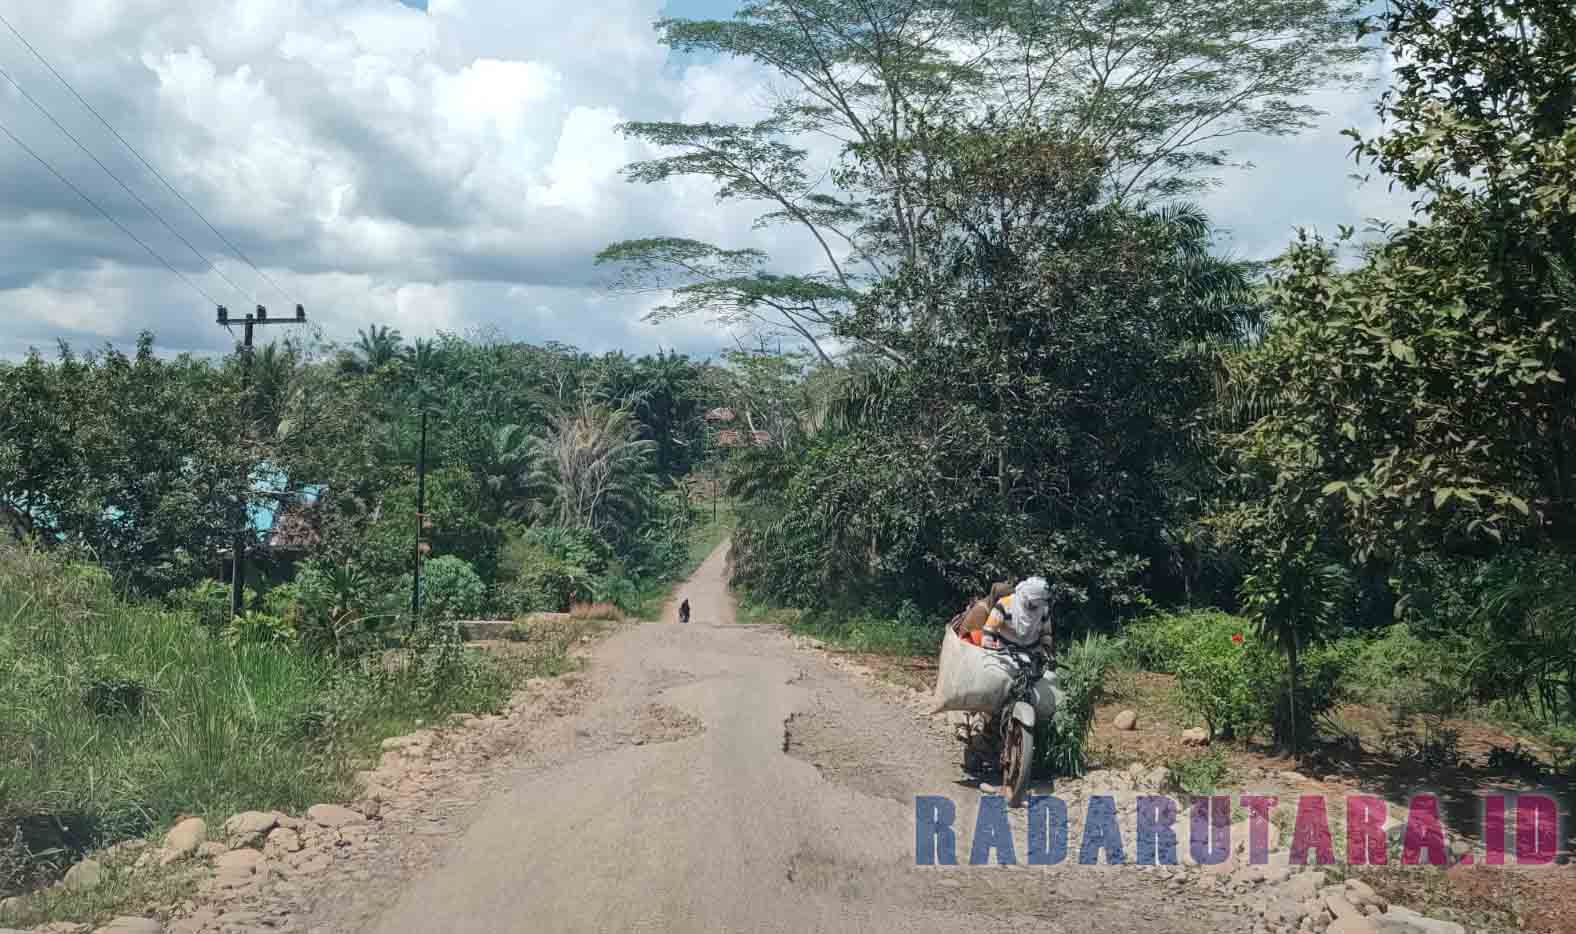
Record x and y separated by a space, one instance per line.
602 611
1082 670
1198 774
116 717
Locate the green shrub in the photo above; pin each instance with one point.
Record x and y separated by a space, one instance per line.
549 568
208 601
550 586
258 628
1158 642
869 631
285 602
615 588
343 611
1229 678
1232 679
450 589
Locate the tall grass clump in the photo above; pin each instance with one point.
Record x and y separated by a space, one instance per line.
1081 671
117 716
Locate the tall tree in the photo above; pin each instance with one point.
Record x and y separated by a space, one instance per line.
1049 393
1158 87
1423 401
590 465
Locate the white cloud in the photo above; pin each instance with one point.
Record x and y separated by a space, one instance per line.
444 169
1304 180
431 170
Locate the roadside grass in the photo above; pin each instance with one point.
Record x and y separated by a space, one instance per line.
120 891
709 533
870 635
540 647
860 634
117 717
1200 773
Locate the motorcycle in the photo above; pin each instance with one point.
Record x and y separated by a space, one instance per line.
1005 739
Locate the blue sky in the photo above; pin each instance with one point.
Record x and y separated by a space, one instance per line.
426 164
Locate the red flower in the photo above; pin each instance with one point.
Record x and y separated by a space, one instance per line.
1236 637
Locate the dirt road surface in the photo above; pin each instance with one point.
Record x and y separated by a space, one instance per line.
722 777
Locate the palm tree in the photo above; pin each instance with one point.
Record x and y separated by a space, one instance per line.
424 356
273 375
375 347
507 473
591 467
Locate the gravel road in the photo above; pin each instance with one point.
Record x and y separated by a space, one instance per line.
724 777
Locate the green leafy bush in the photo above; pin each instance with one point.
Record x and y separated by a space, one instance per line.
208 601
550 586
450 589
858 630
1229 678
1158 642
340 609
258 628
548 568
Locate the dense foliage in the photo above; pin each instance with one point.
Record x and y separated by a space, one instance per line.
132 696
1019 366
144 463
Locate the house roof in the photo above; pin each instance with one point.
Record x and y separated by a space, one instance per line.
295 528
720 415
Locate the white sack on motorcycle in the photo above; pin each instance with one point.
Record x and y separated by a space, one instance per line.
976 680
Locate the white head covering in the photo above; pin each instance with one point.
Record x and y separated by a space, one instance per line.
1031 606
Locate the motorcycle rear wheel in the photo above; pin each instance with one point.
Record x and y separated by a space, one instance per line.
1017 761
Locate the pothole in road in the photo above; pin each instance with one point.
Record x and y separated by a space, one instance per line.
659 723
665 679
844 756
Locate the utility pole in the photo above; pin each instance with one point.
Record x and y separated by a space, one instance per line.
238 545
422 524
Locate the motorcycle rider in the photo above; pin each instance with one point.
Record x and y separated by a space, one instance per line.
1022 618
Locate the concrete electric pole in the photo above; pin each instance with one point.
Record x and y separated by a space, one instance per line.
238 553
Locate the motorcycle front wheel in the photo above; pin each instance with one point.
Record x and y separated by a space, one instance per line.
1017 761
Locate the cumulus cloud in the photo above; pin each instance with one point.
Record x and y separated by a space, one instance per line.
448 164
445 165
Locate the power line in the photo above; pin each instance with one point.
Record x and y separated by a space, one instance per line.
146 164
127 188
107 215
